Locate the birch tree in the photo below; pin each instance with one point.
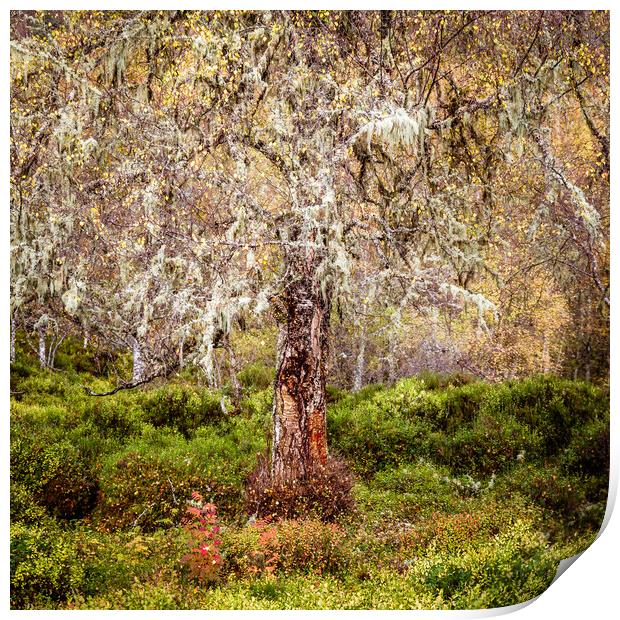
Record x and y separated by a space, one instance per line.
237 162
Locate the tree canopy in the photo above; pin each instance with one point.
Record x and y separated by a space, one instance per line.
174 172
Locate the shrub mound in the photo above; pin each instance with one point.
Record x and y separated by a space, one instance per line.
326 492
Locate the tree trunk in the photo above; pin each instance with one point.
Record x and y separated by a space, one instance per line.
391 358
299 424
545 354
13 329
139 366
42 347
181 358
360 363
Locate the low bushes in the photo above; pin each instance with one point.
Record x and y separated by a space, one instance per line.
45 567
408 492
373 436
148 482
288 546
256 376
553 407
326 492
457 480
183 408
548 487
476 427
511 568
55 472
491 444
588 451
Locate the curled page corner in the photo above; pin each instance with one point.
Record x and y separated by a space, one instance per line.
564 564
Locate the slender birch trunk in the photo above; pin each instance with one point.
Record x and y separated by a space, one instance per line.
391 358
42 347
139 367
13 330
360 363
545 354
299 422
181 353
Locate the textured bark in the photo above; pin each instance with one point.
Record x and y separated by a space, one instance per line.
139 366
360 363
299 425
181 351
391 358
42 347
545 360
54 345
13 329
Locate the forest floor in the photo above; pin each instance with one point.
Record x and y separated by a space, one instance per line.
467 495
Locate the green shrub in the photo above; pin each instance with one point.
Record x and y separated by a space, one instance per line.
548 487
304 545
588 451
475 427
113 562
24 507
257 376
117 416
435 380
334 394
491 444
21 369
45 567
550 405
373 437
408 492
57 474
511 568
183 408
258 405
148 482
44 383
72 355
476 523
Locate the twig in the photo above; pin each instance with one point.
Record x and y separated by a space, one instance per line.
135 523
174 497
123 386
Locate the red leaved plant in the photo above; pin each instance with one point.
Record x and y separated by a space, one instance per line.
204 558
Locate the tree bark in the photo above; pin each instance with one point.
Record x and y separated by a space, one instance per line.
545 354
42 347
139 366
13 330
391 358
360 363
299 423
54 345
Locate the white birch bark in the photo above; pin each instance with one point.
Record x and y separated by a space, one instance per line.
42 347
13 330
139 367
360 363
